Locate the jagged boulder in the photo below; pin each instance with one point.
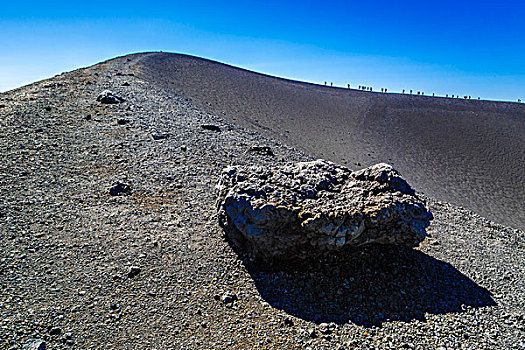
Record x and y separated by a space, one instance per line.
310 209
109 97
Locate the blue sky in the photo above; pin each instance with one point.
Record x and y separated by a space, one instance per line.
472 48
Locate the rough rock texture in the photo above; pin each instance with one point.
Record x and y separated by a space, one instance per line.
312 208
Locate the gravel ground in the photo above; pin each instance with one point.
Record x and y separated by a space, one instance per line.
150 269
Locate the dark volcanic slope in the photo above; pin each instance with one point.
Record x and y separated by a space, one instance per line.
470 153
81 269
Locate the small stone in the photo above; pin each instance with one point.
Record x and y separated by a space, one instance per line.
262 150
325 328
211 127
68 335
55 331
133 271
35 344
108 97
312 333
229 298
120 188
75 308
159 136
352 343
288 322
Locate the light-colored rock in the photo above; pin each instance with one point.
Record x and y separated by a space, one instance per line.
308 209
109 97
35 344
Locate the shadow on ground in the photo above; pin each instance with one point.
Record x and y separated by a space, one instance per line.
373 286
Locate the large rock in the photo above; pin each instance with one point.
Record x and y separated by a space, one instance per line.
309 209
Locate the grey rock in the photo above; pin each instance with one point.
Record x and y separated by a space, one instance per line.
229 298
55 331
312 333
120 188
159 136
262 150
325 328
298 211
35 344
133 271
211 127
109 97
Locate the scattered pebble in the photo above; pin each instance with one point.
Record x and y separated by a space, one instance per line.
133 271
159 136
262 150
120 188
55 331
35 344
211 127
109 97
229 298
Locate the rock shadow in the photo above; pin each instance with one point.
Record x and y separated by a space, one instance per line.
372 286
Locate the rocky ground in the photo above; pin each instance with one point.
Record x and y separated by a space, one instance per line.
148 266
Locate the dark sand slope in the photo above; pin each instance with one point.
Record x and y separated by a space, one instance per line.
67 247
470 153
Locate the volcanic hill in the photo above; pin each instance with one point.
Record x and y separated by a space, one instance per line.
109 237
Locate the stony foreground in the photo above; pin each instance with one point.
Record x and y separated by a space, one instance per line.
149 268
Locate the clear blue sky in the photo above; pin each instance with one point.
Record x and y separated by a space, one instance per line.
472 48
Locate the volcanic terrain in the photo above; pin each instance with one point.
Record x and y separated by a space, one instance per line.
109 237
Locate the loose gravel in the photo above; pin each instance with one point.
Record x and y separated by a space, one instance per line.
147 266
